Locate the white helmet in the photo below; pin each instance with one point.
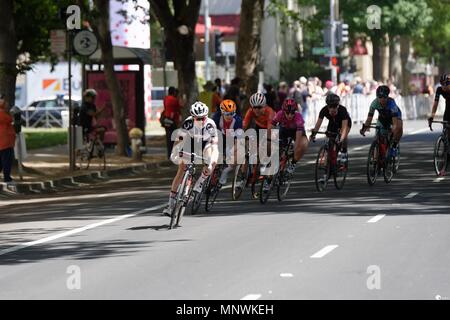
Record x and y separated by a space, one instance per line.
199 109
258 100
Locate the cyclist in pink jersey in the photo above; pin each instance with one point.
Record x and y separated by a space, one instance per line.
291 124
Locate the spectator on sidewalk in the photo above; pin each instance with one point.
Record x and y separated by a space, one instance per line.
7 140
171 117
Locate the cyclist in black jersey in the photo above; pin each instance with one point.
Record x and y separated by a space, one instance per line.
444 91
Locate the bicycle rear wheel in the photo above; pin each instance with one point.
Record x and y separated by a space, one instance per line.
83 158
322 169
372 164
341 174
440 157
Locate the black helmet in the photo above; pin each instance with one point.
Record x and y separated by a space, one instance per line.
383 92
444 80
332 99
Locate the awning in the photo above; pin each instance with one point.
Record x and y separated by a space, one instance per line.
226 24
125 55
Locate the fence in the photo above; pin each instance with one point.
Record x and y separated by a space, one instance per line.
412 107
57 117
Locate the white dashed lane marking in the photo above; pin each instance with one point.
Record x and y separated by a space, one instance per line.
376 218
254 296
323 252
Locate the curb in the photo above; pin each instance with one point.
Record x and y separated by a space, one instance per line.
76 180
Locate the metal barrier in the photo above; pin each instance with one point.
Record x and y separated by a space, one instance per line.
47 118
412 107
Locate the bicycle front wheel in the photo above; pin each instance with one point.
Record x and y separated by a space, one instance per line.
372 164
322 169
440 157
284 182
341 174
212 191
239 181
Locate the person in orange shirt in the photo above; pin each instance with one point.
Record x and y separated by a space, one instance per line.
7 140
260 115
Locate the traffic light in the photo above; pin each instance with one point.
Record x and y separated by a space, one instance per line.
334 61
218 37
342 34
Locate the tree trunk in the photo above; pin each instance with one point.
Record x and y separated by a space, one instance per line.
395 67
179 25
405 44
112 83
184 63
249 44
385 59
377 52
8 52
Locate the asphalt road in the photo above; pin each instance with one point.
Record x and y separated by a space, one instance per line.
109 241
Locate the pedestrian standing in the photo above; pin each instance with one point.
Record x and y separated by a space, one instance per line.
171 117
7 140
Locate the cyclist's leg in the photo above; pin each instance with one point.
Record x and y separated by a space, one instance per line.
174 188
210 155
301 145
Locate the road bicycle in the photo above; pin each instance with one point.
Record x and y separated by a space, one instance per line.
184 190
282 178
441 149
330 162
246 175
382 157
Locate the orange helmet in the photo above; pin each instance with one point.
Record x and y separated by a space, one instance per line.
228 106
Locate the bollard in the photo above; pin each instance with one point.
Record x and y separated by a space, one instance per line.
135 135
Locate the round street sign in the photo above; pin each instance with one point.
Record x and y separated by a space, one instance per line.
85 43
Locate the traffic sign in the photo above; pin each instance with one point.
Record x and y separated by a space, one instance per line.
85 43
320 51
58 41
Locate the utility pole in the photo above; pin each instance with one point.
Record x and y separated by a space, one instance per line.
207 27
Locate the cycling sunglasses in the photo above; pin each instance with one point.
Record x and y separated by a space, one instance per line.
228 113
199 118
257 107
333 106
291 112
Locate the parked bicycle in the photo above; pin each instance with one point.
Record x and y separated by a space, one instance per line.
441 149
281 179
382 157
93 148
330 162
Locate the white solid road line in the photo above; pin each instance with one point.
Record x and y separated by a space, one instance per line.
411 195
255 296
78 230
438 179
376 218
321 253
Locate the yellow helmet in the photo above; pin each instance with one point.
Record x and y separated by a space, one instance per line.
228 106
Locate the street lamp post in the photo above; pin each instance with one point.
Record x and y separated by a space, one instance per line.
207 57
333 41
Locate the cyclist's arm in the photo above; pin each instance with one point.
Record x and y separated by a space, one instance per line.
247 119
345 129
434 109
318 125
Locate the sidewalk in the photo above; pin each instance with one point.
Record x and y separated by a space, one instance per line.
45 169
